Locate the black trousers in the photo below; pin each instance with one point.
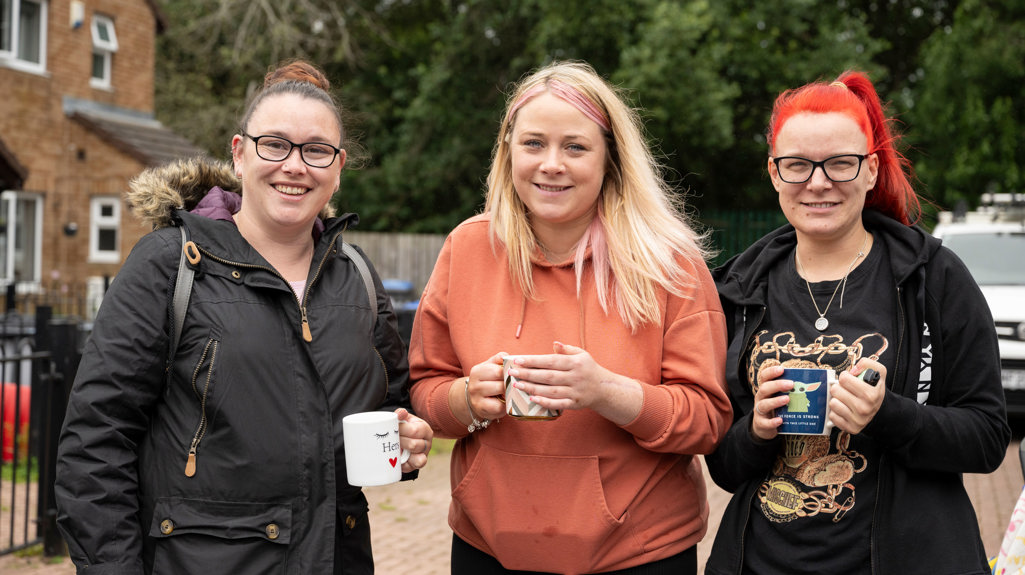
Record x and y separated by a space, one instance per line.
468 560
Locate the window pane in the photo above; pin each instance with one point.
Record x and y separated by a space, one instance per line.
99 71
5 24
104 230
30 28
103 34
107 240
986 255
25 241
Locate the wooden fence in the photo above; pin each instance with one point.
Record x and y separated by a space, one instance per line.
407 257
411 257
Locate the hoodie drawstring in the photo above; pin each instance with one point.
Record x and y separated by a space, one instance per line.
581 319
523 314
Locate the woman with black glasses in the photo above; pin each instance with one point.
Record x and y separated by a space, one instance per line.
852 285
217 447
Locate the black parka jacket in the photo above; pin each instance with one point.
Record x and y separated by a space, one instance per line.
923 520
249 398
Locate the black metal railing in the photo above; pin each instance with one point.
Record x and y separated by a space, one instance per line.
38 359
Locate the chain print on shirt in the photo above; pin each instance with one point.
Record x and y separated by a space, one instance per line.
813 473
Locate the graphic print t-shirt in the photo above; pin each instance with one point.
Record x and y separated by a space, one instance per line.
813 511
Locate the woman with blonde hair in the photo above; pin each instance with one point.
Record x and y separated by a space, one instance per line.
585 277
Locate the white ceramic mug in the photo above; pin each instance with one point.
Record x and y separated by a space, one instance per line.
372 452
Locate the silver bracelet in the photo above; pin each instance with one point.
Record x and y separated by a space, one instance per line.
477 423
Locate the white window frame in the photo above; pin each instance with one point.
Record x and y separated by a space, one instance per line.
9 204
10 40
99 222
103 49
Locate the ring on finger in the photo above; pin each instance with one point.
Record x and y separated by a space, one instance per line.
758 410
427 447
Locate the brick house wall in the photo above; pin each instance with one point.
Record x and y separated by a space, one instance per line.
53 122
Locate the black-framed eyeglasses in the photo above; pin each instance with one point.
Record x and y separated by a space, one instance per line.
276 149
798 170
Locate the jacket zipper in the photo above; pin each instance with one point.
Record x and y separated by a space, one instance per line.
211 349
748 334
384 366
743 532
901 325
304 322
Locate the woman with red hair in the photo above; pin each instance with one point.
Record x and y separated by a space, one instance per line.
850 285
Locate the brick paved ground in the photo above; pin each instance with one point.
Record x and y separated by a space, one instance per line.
410 520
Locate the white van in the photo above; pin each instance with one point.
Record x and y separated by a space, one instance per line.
991 242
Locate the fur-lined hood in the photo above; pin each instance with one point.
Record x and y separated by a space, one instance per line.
156 193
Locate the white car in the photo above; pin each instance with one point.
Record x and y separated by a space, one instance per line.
992 245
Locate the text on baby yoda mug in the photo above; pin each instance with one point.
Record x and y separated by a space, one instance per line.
808 410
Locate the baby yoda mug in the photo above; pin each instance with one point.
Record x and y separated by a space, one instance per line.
807 413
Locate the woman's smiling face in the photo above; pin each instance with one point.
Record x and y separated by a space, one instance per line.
558 162
820 208
288 193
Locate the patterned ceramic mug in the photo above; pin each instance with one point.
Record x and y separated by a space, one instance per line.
517 401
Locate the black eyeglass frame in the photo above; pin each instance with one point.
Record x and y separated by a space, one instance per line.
820 164
256 144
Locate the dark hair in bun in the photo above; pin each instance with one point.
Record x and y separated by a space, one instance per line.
297 71
302 79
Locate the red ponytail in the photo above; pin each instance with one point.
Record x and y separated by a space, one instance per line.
853 94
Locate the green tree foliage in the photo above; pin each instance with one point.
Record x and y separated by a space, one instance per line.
432 150
425 82
431 133
968 119
702 72
707 73
215 53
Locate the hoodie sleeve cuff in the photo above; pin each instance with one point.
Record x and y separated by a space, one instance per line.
655 418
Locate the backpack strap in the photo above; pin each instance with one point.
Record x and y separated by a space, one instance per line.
368 280
182 292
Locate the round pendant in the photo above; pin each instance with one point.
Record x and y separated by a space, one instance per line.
821 324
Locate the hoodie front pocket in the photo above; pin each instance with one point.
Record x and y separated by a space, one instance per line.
538 513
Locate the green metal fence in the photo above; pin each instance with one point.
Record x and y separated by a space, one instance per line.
734 230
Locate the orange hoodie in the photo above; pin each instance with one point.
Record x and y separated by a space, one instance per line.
577 494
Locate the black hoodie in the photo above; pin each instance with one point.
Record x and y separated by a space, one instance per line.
923 520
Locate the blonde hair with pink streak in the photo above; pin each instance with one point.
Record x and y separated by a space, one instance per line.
640 239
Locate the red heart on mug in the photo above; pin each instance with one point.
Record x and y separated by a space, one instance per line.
393 461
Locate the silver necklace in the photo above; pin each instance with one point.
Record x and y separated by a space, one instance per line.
822 323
